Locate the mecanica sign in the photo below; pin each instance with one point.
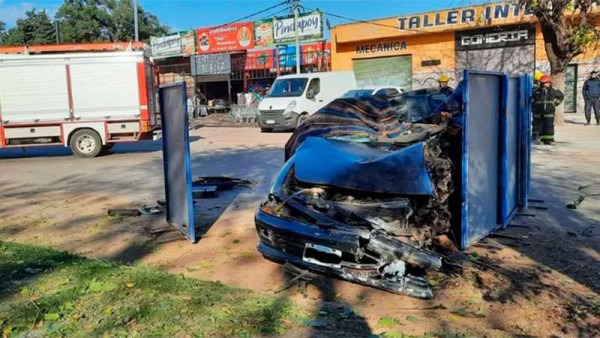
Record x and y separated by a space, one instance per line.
462 16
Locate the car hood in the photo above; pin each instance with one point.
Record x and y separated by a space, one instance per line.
360 167
276 103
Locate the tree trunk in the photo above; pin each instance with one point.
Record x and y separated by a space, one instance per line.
558 82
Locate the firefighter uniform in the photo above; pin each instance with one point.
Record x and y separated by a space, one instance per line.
545 99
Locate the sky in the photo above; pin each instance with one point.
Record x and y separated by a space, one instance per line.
188 14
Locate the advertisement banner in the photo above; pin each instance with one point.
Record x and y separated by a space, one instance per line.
316 53
188 43
227 38
211 64
260 59
263 33
310 27
287 56
166 45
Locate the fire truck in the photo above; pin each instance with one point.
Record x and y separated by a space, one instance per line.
86 97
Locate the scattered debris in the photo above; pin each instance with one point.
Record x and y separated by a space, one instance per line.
123 212
210 186
586 192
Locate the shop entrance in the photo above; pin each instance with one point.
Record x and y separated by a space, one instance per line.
385 71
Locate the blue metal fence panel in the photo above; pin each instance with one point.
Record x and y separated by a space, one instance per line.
525 140
510 149
176 159
482 107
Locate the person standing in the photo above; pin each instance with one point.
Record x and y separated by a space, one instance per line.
591 95
545 100
443 83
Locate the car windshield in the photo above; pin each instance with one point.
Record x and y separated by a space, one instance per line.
288 87
357 93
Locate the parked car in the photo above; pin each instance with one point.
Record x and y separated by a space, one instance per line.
384 91
293 98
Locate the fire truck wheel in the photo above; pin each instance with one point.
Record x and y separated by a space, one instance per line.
86 143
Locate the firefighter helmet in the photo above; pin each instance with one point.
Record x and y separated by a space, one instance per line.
546 79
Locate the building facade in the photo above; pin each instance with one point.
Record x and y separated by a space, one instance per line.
412 51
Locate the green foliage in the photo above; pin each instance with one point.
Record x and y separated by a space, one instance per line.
105 20
2 32
35 28
50 294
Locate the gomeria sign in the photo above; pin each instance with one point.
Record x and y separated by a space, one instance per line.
310 27
495 37
463 16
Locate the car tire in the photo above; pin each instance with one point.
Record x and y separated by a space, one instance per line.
266 130
86 143
107 148
301 120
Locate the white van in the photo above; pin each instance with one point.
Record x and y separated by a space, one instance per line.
293 98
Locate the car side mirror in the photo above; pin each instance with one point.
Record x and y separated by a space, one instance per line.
310 94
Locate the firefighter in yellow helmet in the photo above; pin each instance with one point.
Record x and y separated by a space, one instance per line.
443 83
545 99
536 79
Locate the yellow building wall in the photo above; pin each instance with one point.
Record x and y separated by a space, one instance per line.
424 47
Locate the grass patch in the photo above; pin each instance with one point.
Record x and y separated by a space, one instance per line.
52 293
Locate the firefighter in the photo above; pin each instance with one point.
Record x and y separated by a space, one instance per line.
536 79
545 99
443 83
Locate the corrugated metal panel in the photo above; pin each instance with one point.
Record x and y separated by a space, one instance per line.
34 93
105 90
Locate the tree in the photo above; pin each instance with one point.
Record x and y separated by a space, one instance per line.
36 28
564 38
2 32
105 20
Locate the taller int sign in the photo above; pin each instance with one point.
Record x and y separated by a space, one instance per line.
481 15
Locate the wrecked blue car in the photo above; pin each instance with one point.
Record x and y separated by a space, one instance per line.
365 192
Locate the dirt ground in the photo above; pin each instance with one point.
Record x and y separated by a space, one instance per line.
540 277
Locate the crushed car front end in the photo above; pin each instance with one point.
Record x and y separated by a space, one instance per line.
362 207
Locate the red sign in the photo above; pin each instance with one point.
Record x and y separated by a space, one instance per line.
260 59
316 53
227 38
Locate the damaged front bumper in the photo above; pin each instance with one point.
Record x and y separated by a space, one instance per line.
377 260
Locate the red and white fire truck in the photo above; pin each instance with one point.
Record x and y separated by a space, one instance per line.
87 101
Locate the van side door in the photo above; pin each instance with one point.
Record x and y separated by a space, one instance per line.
315 98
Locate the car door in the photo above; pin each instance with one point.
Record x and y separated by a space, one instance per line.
318 101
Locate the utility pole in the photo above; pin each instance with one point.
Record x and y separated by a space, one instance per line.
135 21
57 31
296 14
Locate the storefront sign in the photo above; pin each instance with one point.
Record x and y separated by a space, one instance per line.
182 43
211 64
263 33
495 37
166 45
381 47
468 15
310 27
260 59
188 43
226 38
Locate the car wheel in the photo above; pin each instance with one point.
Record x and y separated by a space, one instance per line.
86 143
301 120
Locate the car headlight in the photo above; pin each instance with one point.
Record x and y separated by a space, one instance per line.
290 108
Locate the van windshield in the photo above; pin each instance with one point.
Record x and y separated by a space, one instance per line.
288 87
